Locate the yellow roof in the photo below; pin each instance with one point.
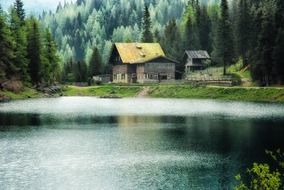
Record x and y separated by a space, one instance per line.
131 53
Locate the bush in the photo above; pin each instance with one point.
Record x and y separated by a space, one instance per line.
261 177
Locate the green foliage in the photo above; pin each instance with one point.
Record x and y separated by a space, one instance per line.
34 51
19 7
225 45
27 51
95 64
243 29
19 36
50 71
7 67
261 176
171 40
147 35
80 71
191 37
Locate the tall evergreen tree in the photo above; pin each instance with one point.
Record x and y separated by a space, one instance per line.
205 30
191 34
80 71
20 48
19 7
171 42
147 35
34 51
171 39
243 30
7 68
50 68
95 64
263 64
279 47
225 36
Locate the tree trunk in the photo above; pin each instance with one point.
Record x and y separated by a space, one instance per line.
224 68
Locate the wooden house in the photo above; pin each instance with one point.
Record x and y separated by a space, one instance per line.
140 62
195 60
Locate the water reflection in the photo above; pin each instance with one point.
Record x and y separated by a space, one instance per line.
118 151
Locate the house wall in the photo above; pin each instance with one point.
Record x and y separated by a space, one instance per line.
155 71
124 73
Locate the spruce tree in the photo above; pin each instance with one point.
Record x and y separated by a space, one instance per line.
225 37
191 34
95 63
204 29
262 68
19 7
80 71
34 51
51 65
171 39
20 38
147 35
278 54
243 30
7 68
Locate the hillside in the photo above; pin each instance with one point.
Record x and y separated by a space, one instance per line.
79 27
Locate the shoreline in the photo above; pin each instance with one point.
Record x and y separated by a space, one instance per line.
241 94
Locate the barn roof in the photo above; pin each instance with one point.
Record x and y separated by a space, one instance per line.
200 54
132 53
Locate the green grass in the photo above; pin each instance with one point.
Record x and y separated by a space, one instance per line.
24 94
253 94
103 91
223 93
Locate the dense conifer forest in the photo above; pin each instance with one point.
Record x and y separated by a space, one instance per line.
27 49
250 31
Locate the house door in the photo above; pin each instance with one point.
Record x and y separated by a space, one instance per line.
134 78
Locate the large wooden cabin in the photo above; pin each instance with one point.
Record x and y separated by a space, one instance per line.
140 62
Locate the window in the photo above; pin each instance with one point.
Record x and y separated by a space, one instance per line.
114 77
122 76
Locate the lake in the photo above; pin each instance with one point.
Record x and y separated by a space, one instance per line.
91 143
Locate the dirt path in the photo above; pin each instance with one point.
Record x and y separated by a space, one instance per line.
143 93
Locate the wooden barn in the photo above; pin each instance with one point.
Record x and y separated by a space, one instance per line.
140 62
195 60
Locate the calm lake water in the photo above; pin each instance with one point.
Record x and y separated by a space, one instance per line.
89 143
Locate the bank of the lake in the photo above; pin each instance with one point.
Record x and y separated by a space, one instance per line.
255 94
25 93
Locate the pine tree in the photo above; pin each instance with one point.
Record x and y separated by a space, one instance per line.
225 36
147 35
205 30
263 65
278 56
243 30
34 51
20 49
95 64
191 35
7 67
19 7
171 39
51 66
278 53
80 71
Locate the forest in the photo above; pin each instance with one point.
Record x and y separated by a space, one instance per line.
84 31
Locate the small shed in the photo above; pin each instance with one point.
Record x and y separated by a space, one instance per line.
195 60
